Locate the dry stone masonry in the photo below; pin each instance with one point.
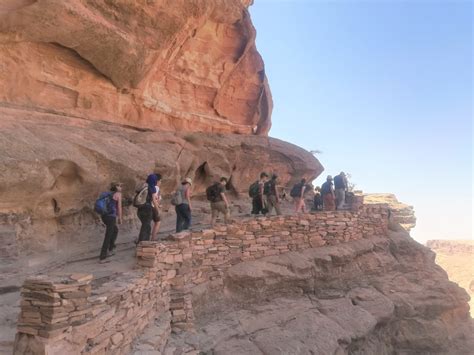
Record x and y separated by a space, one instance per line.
73 315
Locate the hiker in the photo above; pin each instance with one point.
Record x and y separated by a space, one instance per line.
183 205
112 215
256 192
216 196
327 192
318 200
340 186
145 212
156 211
297 192
271 193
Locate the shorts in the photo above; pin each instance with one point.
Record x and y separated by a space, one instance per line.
219 206
156 216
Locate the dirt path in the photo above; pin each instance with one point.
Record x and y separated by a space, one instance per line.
84 259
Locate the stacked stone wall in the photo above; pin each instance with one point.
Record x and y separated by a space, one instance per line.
72 315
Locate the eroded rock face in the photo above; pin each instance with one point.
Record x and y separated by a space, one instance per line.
168 65
54 167
401 212
456 257
372 296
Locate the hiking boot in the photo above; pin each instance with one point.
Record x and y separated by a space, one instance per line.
111 252
103 261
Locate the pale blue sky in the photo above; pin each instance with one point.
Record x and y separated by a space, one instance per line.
384 90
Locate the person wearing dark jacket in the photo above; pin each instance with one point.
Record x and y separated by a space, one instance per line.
271 192
110 219
258 202
327 192
145 213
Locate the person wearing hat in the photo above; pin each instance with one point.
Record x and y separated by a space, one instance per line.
327 193
110 219
184 208
271 193
340 187
258 200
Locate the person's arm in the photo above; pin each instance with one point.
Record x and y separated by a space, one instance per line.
156 202
118 198
276 193
224 198
187 196
260 191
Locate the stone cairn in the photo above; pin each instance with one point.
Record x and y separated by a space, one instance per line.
49 306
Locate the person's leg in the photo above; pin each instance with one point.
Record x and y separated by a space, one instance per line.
260 206
108 236
140 216
145 216
270 204
179 220
342 200
276 204
186 216
214 213
255 205
156 224
115 231
339 198
155 230
303 205
220 207
226 215
326 202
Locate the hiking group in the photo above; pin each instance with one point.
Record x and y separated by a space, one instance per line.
330 196
264 192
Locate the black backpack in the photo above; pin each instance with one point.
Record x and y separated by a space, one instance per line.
212 192
296 190
254 189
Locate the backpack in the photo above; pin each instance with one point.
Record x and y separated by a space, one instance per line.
141 196
177 198
296 190
325 189
254 189
212 192
102 204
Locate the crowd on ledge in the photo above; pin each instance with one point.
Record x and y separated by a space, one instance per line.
265 193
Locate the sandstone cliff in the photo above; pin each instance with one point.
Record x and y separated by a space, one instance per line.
373 296
94 91
168 65
457 258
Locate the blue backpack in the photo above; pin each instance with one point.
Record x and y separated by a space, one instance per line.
102 204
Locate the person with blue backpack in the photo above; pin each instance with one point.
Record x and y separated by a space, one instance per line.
109 206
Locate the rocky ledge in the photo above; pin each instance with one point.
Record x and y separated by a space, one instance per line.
401 213
370 296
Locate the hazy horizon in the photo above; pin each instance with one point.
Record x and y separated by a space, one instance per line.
384 90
